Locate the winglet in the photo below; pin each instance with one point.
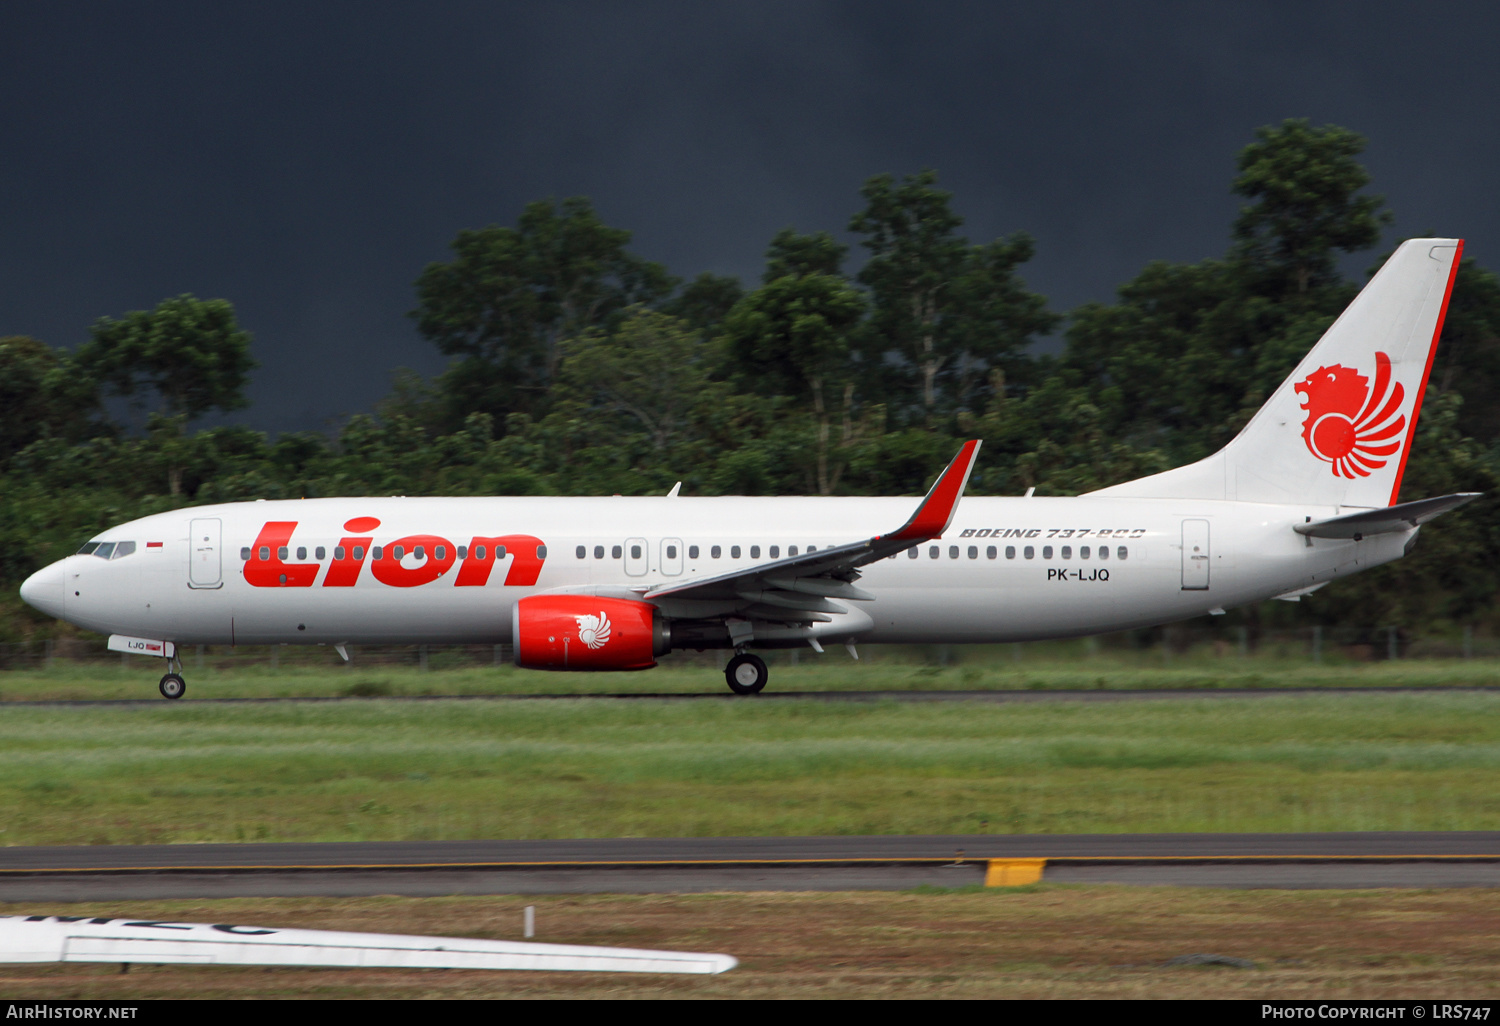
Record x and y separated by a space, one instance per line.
936 511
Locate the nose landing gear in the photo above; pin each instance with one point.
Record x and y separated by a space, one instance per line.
746 674
172 686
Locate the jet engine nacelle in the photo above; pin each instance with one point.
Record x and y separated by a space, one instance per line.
582 632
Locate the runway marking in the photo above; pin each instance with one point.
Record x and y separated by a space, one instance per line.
689 863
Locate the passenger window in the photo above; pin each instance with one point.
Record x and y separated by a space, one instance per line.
755 552
359 553
1121 552
418 552
671 551
614 552
398 552
811 548
991 552
281 553
635 552
716 551
265 553
1067 552
583 552
734 552
478 552
932 552
541 552
692 552
302 552
974 552
499 552
338 553
441 552
1046 551
1029 552
245 554
377 551
123 549
1083 552
463 552
598 551
1104 552
775 552
791 550
320 553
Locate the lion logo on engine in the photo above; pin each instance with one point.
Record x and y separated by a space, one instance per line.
1350 424
593 630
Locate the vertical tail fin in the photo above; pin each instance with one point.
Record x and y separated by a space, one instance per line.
1338 430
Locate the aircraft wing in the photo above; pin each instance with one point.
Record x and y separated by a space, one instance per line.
1385 520
800 588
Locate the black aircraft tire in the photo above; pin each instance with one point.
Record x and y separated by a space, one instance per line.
172 686
746 674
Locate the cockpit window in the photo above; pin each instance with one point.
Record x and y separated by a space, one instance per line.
88 547
105 550
123 549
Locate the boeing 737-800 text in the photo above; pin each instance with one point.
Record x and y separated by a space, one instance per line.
1305 494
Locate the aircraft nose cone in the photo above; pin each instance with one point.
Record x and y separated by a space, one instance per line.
45 589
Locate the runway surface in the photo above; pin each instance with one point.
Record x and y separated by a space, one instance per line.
660 865
1038 695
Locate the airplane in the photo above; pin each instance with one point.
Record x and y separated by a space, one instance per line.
1305 494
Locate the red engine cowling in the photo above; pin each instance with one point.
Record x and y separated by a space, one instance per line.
583 632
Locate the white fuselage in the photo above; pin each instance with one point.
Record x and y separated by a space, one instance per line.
188 580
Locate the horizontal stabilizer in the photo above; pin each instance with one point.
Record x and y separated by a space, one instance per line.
1387 520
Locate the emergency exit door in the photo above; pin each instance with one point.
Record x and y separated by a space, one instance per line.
205 569
1195 555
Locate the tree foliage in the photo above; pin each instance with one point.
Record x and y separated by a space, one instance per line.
577 367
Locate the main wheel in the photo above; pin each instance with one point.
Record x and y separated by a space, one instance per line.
172 686
746 674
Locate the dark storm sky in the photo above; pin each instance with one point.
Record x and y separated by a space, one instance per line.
306 160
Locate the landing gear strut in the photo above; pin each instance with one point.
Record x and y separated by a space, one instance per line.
746 674
172 686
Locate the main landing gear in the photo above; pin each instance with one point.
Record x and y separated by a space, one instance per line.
172 686
746 674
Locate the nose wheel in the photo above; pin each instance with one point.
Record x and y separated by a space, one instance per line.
172 686
746 674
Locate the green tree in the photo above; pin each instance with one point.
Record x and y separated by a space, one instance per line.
792 337
189 351
794 255
510 296
951 310
654 370
1303 184
705 301
43 393
914 259
1468 354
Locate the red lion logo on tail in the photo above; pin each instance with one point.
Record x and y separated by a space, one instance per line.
1350 424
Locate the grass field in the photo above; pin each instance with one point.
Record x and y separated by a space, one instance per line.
316 673
1040 942
368 770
